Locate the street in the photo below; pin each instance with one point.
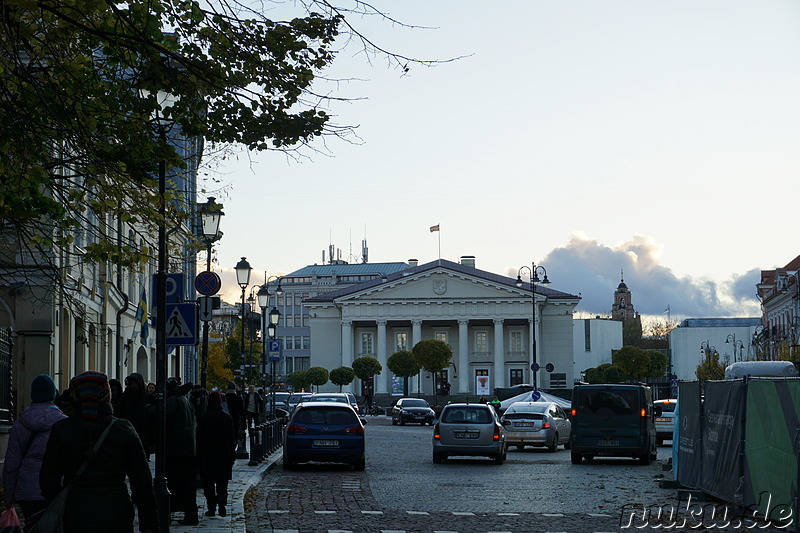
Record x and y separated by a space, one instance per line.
402 490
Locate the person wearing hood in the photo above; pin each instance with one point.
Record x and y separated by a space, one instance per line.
98 500
26 446
216 447
181 439
116 395
138 406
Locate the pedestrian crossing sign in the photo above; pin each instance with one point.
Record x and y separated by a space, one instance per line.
181 326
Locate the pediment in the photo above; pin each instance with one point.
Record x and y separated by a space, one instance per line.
437 284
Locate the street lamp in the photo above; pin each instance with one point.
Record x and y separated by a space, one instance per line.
731 339
210 217
533 271
274 318
243 270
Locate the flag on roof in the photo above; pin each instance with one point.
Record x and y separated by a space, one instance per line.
435 228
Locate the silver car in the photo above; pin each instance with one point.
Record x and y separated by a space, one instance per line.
536 424
471 429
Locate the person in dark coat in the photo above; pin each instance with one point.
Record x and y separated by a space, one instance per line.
116 395
98 501
253 405
235 406
180 437
26 445
139 407
216 446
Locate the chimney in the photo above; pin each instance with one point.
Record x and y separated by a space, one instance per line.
412 263
468 260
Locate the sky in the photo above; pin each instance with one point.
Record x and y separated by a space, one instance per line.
655 141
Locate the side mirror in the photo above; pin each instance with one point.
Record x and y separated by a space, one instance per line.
364 421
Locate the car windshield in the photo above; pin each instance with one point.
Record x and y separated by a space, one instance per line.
466 415
608 402
325 416
415 403
340 399
667 407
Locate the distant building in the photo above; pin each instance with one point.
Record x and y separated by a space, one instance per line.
779 293
594 341
623 310
732 338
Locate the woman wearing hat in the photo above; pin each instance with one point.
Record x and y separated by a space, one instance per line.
98 501
26 446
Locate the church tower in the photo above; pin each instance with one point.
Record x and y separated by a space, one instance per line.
623 309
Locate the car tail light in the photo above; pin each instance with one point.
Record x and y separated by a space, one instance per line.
497 432
546 425
355 429
436 434
643 412
573 412
294 428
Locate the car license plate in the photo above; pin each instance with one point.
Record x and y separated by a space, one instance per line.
467 435
326 443
662 419
419 416
523 424
604 442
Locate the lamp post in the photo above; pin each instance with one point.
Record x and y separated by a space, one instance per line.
274 317
263 302
731 339
534 270
210 217
243 270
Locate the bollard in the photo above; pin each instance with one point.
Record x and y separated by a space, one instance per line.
253 447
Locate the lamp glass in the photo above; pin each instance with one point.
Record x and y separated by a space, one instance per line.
263 297
274 316
210 216
243 269
518 283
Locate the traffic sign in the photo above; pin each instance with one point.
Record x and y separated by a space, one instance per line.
174 284
274 348
181 324
549 367
207 283
535 367
536 395
207 305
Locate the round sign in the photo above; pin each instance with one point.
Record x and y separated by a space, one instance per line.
535 395
207 283
535 367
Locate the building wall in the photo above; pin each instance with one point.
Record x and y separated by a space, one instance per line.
604 336
685 344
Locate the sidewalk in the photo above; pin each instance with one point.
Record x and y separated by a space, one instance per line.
244 477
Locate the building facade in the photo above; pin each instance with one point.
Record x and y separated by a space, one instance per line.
485 318
594 340
779 293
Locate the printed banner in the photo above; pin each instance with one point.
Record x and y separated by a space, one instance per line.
690 441
722 439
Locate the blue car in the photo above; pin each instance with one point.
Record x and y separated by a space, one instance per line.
328 432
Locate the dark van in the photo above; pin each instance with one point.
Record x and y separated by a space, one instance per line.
613 421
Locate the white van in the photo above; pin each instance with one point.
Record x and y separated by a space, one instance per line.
782 369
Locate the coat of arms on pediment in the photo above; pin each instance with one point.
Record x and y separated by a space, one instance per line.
440 286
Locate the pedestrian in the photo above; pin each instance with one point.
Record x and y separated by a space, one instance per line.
252 406
66 401
216 446
496 404
235 406
180 437
116 395
139 408
26 444
446 388
151 388
198 398
98 500
368 400
482 399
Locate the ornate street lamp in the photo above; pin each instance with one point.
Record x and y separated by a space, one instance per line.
731 339
243 270
210 217
533 271
274 318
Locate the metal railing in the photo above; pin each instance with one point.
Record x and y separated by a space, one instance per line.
265 439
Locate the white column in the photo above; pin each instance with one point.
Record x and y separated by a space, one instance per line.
347 343
382 379
499 355
465 376
416 336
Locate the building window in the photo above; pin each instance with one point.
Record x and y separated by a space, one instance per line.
289 343
306 342
289 320
366 344
587 335
440 336
481 342
516 342
401 341
515 377
297 321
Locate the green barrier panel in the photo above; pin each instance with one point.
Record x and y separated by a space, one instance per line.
770 455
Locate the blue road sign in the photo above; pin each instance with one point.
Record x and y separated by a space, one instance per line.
274 347
535 367
207 283
182 324
535 395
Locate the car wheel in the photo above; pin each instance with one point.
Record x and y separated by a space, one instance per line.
498 459
576 458
394 422
644 459
437 458
402 422
567 445
360 465
520 446
553 447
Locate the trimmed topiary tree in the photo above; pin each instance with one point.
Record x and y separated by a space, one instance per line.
344 375
403 364
434 356
298 380
317 376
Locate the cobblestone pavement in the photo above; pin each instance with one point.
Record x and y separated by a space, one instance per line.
335 499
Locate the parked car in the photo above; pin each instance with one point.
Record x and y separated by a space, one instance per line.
468 429
414 410
536 424
666 421
613 420
353 401
295 398
324 432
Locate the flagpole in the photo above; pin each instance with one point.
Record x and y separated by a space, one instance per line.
439 231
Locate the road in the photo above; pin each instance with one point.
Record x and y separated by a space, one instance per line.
403 491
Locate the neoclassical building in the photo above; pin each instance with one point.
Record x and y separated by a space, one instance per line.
484 317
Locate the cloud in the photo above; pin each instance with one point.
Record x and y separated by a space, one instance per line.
594 270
